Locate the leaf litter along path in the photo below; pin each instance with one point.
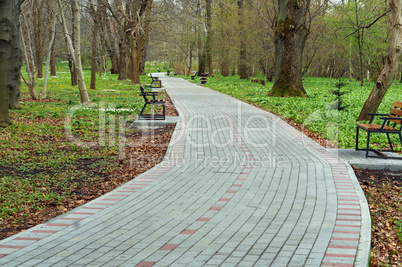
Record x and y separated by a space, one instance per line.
382 189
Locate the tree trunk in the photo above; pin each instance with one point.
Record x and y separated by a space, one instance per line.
391 65
135 78
243 69
123 62
48 57
114 60
225 67
53 61
201 54
15 85
78 68
143 61
37 36
6 24
112 50
138 37
132 56
29 59
94 47
73 70
76 53
143 41
102 28
208 41
190 60
290 37
359 38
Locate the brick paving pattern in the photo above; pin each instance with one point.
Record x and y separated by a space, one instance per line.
238 186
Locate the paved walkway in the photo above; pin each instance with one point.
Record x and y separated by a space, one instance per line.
238 186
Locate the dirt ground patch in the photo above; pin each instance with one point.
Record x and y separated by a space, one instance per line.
383 191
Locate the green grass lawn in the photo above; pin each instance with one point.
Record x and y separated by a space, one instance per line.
317 112
40 165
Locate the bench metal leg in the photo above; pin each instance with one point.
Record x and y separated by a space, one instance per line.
368 144
142 110
357 138
389 142
400 137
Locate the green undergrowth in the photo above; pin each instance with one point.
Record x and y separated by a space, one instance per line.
58 145
319 111
398 229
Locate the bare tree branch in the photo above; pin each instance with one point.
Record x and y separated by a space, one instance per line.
370 24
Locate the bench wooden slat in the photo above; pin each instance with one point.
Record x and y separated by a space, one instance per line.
396 112
376 127
396 121
398 104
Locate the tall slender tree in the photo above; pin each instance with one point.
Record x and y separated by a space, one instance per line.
37 7
76 51
208 39
49 55
95 12
29 59
243 68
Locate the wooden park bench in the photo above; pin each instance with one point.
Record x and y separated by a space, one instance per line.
156 82
392 124
152 101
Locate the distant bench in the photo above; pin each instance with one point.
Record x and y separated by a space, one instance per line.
156 82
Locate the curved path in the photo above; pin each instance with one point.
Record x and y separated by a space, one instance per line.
238 186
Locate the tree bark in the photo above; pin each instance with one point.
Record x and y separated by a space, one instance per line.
15 85
359 38
48 57
243 69
208 40
73 70
290 37
78 67
37 36
30 62
132 56
102 34
201 52
391 65
139 24
53 61
94 46
123 62
6 25
76 52
112 50
144 40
